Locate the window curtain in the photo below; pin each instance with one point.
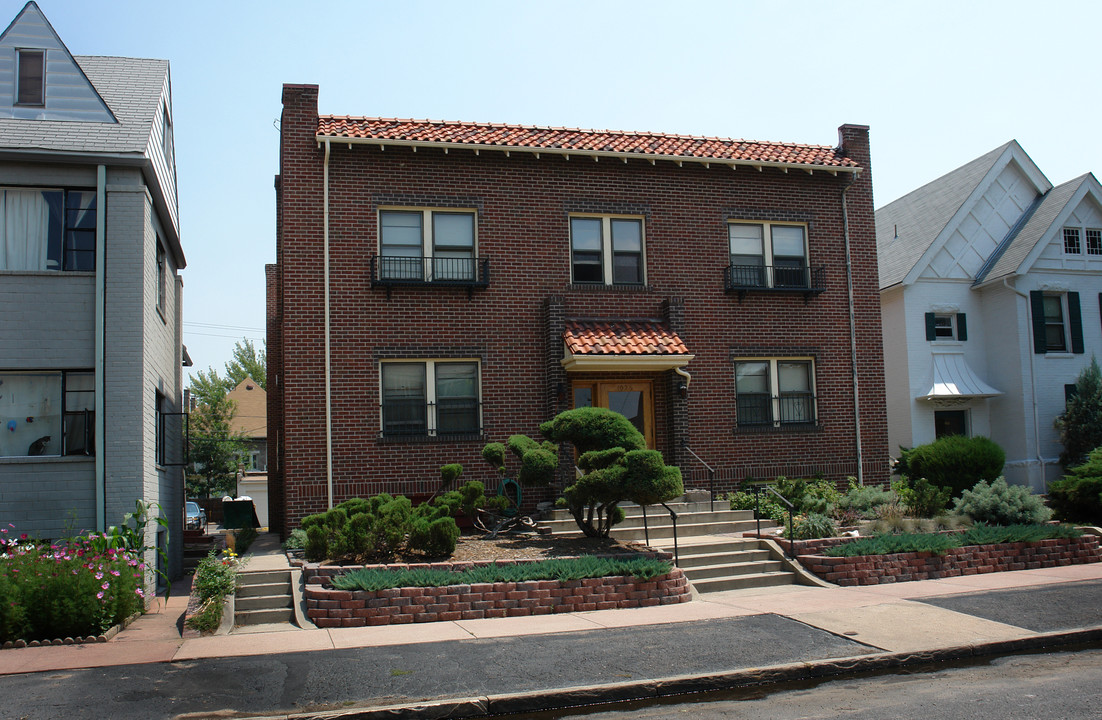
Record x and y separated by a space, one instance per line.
24 230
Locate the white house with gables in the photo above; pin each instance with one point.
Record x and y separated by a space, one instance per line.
991 290
90 300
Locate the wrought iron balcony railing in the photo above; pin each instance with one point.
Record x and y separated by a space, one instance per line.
392 271
762 410
742 279
445 419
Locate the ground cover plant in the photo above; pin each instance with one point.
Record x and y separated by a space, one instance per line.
940 543
76 588
563 569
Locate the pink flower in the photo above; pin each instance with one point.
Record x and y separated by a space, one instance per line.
99 595
99 576
105 586
139 593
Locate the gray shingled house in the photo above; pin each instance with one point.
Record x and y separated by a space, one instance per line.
990 287
90 297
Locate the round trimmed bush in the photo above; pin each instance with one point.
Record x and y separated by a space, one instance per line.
955 462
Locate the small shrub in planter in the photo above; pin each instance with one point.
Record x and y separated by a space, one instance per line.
1000 504
1077 497
864 500
921 498
813 526
955 462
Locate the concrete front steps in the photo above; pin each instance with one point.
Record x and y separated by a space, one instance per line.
263 597
709 549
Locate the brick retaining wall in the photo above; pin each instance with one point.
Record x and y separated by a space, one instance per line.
348 608
967 560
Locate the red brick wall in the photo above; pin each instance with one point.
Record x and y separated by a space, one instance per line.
523 206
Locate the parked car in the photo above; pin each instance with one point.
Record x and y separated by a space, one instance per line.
196 516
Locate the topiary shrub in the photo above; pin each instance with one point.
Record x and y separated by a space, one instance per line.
435 537
1077 497
1000 504
955 462
921 498
617 466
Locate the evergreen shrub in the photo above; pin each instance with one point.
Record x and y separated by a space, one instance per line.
1077 497
955 462
1000 504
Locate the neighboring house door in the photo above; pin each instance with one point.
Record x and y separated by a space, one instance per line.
633 400
950 422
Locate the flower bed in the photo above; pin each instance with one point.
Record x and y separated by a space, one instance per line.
346 608
967 560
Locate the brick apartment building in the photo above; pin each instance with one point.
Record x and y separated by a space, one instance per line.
440 285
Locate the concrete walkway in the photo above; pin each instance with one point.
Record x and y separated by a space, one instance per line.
927 619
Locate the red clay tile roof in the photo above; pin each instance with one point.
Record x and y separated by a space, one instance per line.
629 337
580 141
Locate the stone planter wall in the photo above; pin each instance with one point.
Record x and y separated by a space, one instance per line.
968 560
347 608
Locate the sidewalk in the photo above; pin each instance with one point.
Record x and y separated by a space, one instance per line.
718 640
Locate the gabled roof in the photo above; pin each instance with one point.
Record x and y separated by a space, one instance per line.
907 228
566 141
1019 246
251 415
131 87
69 95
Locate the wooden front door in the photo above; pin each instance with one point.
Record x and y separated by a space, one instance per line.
633 400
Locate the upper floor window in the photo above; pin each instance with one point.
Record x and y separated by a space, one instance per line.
427 245
47 229
162 277
770 255
1094 241
31 87
1057 322
430 398
1072 241
47 413
606 250
946 326
773 392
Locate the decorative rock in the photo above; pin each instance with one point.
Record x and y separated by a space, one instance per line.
8 644
21 643
57 641
68 641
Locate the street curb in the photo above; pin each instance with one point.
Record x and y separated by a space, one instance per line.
653 689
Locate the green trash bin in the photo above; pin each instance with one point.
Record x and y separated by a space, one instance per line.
239 514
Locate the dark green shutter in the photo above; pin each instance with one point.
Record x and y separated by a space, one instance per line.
1037 308
1075 319
962 327
931 327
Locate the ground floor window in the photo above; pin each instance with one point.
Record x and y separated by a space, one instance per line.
47 413
430 398
772 392
950 422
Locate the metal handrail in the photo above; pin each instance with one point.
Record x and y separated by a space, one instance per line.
673 520
711 475
757 515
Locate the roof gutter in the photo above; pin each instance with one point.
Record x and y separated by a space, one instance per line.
595 154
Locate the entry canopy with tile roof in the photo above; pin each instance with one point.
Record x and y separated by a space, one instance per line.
955 382
568 142
606 345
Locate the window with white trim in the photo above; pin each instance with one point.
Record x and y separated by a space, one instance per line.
946 326
31 75
47 413
1072 241
774 392
1057 322
430 398
607 250
768 255
162 277
427 245
1094 241
1056 339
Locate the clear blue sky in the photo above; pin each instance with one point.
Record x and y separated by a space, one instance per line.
940 83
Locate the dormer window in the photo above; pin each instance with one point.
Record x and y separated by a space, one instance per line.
31 89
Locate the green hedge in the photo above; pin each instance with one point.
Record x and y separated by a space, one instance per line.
940 543
955 462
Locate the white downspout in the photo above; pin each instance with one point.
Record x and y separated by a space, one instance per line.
853 337
101 388
1032 390
328 369
683 373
